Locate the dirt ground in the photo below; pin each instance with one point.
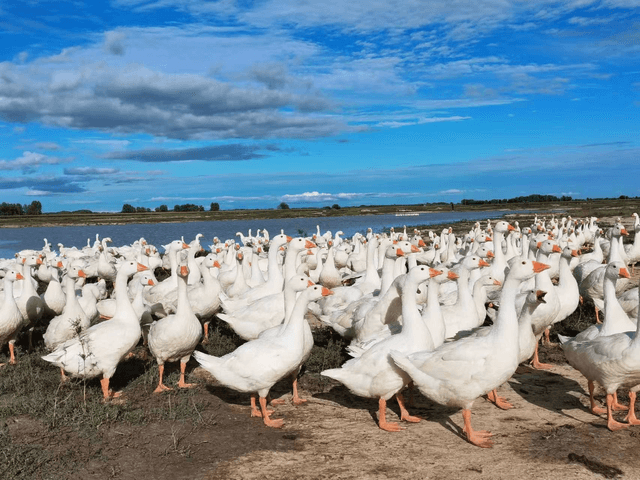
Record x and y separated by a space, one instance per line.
549 434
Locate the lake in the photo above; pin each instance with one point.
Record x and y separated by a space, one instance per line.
13 240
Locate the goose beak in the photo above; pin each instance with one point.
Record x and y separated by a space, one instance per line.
488 239
497 282
24 260
151 282
60 265
574 253
309 244
556 249
452 276
82 274
624 273
184 245
19 276
434 273
510 228
421 243
482 263
326 292
216 264
310 283
490 254
289 238
539 244
540 296
142 268
415 249
624 232
539 267
399 253
184 271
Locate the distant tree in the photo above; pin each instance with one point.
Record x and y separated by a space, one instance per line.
335 206
215 206
624 197
162 208
283 206
127 208
35 208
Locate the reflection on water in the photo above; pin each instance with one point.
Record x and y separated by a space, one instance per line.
15 239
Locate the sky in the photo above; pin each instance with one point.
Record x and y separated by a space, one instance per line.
252 103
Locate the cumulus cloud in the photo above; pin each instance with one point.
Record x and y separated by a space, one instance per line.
30 161
317 197
113 42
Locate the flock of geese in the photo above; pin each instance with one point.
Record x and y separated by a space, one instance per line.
413 309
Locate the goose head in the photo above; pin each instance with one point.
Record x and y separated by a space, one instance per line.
616 270
13 275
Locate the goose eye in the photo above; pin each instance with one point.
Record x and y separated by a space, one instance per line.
524 263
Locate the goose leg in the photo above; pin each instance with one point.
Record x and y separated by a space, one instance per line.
266 414
205 340
382 418
12 355
106 392
594 408
597 315
480 438
255 411
617 407
498 401
535 363
181 382
63 376
296 398
404 413
612 424
161 386
631 416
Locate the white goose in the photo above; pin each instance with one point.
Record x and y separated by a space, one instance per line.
175 336
372 375
257 365
10 316
457 373
99 350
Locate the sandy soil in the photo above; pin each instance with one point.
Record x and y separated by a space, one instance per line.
549 434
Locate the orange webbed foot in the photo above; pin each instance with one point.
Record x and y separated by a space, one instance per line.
162 388
614 425
541 366
298 401
277 401
273 423
598 410
183 384
480 438
390 426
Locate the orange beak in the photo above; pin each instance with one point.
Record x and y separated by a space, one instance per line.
399 252
434 273
511 228
24 260
452 276
482 263
82 274
497 282
624 232
326 292
184 245
216 264
488 239
142 268
395 242
184 271
624 273
415 249
309 244
39 261
556 249
421 243
574 253
310 283
539 244
19 276
490 254
240 256
539 267
151 282
60 265
289 238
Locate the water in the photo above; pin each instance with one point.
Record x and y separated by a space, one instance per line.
13 240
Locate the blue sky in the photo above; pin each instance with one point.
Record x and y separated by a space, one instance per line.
250 103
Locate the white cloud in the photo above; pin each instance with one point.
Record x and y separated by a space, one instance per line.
30 161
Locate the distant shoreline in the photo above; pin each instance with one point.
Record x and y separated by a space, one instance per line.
575 208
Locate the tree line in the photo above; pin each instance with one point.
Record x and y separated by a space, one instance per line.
187 207
34 208
527 199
